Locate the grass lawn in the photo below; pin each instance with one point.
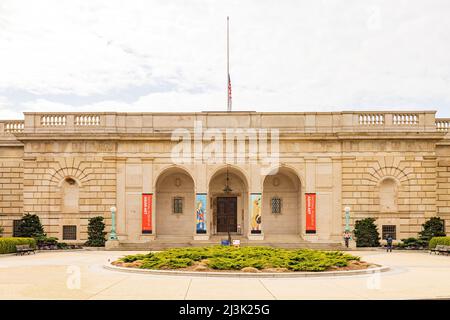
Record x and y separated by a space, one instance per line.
250 259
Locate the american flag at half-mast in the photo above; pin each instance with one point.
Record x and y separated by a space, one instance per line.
229 93
228 66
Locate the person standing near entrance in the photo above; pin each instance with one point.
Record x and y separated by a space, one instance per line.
347 237
389 240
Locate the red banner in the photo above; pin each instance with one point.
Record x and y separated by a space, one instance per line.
147 212
310 212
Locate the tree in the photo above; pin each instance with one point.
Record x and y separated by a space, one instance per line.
30 226
366 233
96 233
434 227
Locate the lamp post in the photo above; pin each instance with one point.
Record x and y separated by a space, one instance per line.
347 218
113 235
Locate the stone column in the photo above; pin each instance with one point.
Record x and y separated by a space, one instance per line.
201 208
147 187
310 187
120 199
255 204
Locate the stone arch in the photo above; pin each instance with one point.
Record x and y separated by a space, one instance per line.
232 168
375 176
288 167
401 176
77 181
161 172
172 184
69 167
239 184
286 185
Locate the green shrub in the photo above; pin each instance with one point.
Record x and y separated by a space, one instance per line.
62 245
232 258
439 241
96 233
434 227
43 241
413 243
135 257
8 245
366 233
1 231
30 226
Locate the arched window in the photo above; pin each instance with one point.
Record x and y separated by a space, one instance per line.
388 195
70 196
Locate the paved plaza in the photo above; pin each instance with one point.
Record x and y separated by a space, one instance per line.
80 275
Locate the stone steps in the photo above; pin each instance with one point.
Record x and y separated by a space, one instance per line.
160 244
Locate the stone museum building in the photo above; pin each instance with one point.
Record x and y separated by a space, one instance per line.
191 178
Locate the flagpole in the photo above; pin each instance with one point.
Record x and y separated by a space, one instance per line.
228 65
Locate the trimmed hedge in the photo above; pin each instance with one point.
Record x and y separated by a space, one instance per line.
232 258
439 240
8 245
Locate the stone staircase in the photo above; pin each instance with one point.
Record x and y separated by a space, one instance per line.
162 242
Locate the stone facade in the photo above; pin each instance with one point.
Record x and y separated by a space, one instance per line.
67 168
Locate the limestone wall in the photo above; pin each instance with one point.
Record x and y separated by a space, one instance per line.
443 184
46 166
114 157
411 164
11 187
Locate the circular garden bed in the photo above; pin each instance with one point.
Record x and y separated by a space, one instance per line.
244 259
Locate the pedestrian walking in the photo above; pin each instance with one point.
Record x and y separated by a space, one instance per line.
389 243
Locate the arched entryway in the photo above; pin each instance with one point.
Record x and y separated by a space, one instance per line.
281 203
174 203
228 205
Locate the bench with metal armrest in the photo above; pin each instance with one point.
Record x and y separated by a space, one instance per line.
22 249
440 249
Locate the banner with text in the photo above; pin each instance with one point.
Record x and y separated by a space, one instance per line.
147 212
310 213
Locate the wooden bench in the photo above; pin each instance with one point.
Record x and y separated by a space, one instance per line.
21 249
441 249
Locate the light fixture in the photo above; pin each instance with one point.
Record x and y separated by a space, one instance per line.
227 188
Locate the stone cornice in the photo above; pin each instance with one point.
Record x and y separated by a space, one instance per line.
284 136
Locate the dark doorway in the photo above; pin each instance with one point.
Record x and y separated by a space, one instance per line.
226 214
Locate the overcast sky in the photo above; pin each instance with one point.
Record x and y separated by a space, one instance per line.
171 55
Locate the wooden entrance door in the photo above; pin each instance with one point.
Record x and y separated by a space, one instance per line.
226 214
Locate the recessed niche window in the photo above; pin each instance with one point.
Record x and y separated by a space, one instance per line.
389 230
276 205
69 232
388 195
177 206
70 195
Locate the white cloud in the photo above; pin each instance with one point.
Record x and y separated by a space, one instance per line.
6 112
290 55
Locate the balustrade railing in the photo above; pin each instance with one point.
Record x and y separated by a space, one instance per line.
123 122
13 126
443 125
53 120
87 120
371 119
405 119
